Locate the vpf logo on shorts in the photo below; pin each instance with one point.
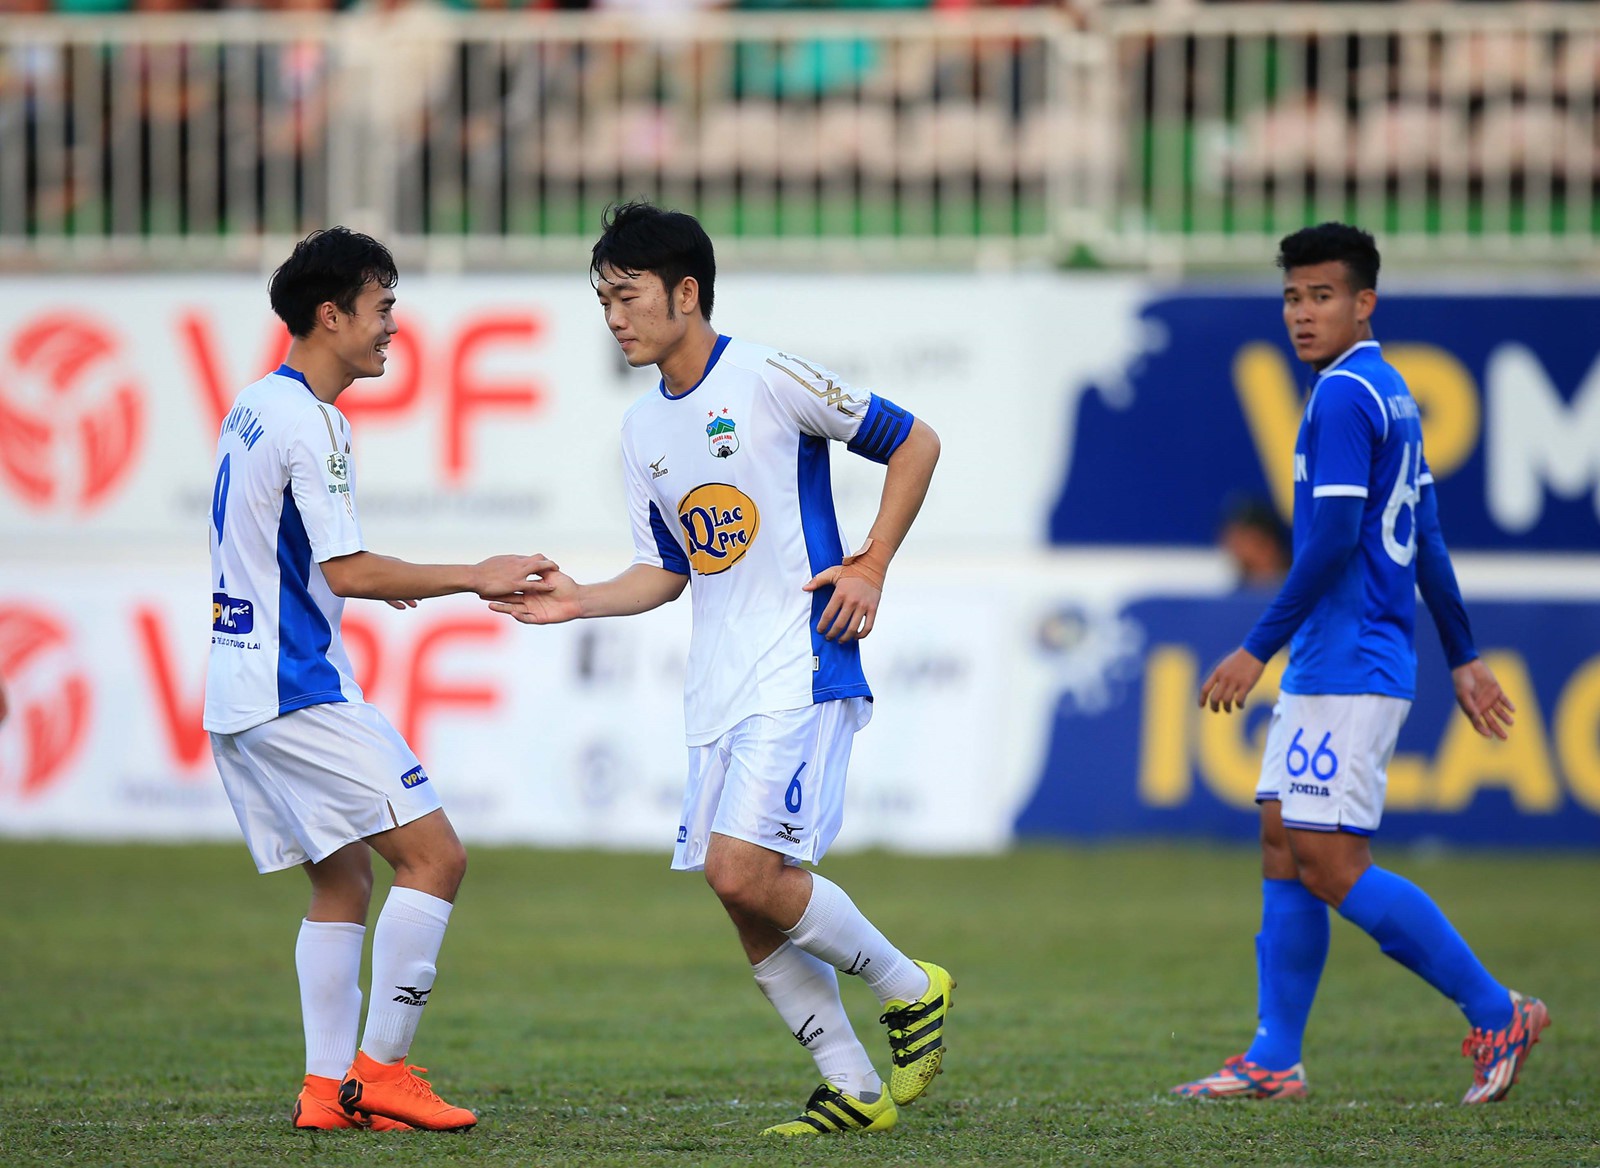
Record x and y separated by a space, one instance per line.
71 414
49 700
720 523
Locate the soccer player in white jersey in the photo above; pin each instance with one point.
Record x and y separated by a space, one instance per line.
317 777
1366 537
726 463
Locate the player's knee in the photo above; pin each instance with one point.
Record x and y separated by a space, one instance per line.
1323 882
452 866
736 887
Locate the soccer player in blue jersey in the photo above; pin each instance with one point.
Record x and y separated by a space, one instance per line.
726 464
1366 537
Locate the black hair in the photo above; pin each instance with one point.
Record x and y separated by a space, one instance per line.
335 264
1350 246
641 237
1257 514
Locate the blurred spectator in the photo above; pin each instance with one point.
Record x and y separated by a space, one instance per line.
1257 542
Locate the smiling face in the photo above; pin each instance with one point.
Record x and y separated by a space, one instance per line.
360 338
1324 314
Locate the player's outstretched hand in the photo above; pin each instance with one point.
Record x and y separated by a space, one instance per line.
1482 700
554 601
504 575
1231 681
857 590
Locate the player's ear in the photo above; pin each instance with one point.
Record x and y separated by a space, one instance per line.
1366 303
328 315
687 294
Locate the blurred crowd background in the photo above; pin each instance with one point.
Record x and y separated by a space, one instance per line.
1169 132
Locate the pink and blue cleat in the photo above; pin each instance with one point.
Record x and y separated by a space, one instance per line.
1241 1079
1497 1055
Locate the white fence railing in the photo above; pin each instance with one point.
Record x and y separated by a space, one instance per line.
1162 134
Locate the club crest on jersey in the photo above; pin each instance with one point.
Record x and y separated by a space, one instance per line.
720 433
720 523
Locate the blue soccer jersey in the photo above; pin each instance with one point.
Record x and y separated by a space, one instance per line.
1361 437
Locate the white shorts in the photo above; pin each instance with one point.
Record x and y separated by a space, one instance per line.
776 780
1327 759
309 782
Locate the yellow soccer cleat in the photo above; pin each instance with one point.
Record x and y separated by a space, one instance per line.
916 1035
830 1110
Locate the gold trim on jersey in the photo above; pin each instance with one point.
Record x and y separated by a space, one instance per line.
829 392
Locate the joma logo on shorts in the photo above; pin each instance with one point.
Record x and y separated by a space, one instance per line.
414 777
1308 789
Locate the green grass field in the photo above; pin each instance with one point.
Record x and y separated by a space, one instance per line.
595 1009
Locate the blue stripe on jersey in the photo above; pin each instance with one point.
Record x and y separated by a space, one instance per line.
672 557
882 431
285 371
711 363
305 675
838 673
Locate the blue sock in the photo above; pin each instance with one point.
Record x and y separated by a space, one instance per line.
1409 927
1291 950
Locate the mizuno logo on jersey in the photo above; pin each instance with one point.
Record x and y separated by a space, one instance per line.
720 524
656 469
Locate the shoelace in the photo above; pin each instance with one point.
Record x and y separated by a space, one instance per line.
823 1094
903 1019
417 1085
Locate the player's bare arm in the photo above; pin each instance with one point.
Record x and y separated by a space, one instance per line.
1482 700
560 598
858 581
1231 681
374 577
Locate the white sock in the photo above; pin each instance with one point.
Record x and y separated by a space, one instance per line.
833 929
327 957
805 992
405 945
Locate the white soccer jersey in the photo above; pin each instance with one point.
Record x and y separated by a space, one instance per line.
729 484
282 503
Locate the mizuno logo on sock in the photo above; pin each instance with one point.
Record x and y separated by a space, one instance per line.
802 1036
412 996
858 965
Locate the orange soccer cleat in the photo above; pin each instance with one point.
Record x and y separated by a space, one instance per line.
317 1109
398 1091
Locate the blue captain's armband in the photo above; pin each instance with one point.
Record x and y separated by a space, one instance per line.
882 431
